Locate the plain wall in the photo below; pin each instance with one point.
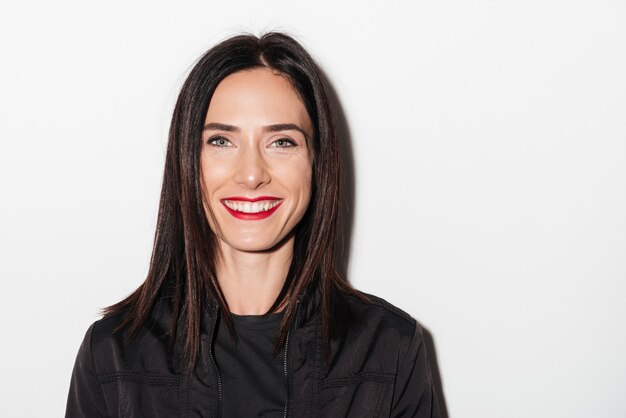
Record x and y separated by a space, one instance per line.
489 149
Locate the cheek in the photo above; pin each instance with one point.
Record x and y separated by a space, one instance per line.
302 184
297 177
213 175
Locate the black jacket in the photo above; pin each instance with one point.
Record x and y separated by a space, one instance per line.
378 369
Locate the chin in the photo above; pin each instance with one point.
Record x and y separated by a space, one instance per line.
251 245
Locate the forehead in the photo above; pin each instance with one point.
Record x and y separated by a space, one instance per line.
257 96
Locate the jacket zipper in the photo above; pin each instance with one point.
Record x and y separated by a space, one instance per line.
286 377
217 370
286 350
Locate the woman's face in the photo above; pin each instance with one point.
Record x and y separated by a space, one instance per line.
255 160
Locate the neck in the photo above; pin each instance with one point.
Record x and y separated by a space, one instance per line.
251 281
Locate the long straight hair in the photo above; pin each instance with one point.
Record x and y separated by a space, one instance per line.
185 248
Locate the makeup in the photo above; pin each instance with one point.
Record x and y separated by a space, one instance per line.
251 209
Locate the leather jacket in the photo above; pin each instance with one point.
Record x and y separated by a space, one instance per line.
377 369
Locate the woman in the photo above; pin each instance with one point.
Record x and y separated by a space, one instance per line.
242 312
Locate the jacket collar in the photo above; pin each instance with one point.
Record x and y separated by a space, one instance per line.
308 304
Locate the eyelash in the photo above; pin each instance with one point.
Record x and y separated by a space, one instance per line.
217 138
290 143
286 140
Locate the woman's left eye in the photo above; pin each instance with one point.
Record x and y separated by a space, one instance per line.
283 143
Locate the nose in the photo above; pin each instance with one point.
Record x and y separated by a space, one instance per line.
252 171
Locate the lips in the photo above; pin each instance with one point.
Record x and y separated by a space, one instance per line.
252 209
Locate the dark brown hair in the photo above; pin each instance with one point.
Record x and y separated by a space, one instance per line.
185 248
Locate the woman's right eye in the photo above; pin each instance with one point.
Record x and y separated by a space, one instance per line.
219 141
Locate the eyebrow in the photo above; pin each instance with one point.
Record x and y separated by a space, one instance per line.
277 127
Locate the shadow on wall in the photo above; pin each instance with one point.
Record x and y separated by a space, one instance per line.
434 369
346 224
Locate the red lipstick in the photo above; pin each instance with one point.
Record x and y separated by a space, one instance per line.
252 216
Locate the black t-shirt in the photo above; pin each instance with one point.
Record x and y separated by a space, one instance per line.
253 383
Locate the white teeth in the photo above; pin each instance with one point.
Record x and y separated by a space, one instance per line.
251 207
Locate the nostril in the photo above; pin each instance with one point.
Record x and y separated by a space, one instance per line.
252 176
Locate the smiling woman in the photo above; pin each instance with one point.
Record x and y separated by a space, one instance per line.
242 312
256 162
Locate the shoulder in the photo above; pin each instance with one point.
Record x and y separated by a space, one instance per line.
101 332
384 307
114 349
104 330
372 307
102 342
384 322
93 356
376 341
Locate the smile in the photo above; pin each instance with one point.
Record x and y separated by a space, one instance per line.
251 209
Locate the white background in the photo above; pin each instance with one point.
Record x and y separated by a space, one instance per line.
489 148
